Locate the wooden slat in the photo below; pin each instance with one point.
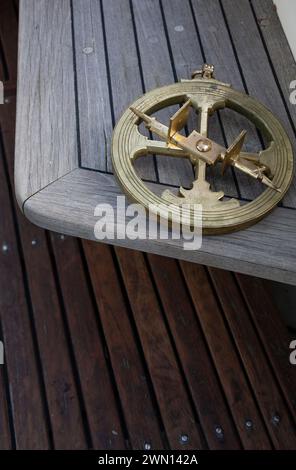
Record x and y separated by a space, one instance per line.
187 56
125 76
92 78
218 50
94 105
27 400
157 71
256 67
61 393
236 388
275 40
272 332
5 432
8 37
138 408
2 65
268 395
277 48
177 415
98 394
46 136
192 350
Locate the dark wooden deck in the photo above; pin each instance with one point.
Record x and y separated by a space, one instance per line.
110 348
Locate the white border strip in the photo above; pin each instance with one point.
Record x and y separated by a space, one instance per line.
286 10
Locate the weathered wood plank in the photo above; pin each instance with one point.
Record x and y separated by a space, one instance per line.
265 249
27 399
2 69
61 388
218 50
236 387
283 62
129 372
46 136
176 412
8 36
194 357
188 56
158 71
97 390
277 47
94 107
5 432
269 397
267 321
61 393
258 73
124 66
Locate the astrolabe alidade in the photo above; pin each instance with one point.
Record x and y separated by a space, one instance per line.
272 167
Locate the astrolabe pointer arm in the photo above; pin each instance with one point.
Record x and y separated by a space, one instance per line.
248 164
195 146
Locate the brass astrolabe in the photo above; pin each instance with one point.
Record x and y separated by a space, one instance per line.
273 167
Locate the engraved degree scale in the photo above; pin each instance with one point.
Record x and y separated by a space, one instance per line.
273 166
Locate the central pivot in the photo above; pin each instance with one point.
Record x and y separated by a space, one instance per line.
203 145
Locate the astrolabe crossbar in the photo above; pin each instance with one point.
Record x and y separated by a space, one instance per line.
272 166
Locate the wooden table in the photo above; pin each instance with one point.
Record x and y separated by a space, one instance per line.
81 63
130 371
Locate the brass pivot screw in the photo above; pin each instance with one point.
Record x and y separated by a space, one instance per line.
203 145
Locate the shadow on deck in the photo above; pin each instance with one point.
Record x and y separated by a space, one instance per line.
110 348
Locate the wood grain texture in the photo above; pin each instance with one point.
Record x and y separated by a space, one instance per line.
8 36
193 353
124 62
124 65
5 432
264 250
140 412
116 369
94 376
94 107
176 412
236 388
157 71
269 399
46 136
187 56
267 320
61 388
258 73
30 422
278 49
47 312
